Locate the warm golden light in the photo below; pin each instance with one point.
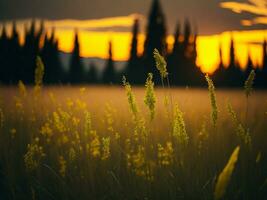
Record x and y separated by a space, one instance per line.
246 43
95 43
120 21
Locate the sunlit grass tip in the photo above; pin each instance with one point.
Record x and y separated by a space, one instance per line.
213 101
249 83
179 130
241 132
225 176
39 71
160 64
130 96
150 98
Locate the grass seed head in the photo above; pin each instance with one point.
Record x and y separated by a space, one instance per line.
150 98
249 83
214 113
179 131
160 64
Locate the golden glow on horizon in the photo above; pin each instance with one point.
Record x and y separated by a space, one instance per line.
246 43
95 44
121 21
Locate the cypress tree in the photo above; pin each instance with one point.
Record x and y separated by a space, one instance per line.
155 38
76 70
3 56
134 70
234 76
175 57
109 75
51 59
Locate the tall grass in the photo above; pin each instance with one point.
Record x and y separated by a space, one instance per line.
64 145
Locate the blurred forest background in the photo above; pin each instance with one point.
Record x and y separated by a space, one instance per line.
17 60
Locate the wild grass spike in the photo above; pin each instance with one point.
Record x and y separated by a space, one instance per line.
214 114
249 83
241 132
225 176
22 89
160 64
130 96
179 131
39 71
150 98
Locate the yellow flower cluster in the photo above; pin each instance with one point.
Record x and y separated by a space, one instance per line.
165 154
33 156
105 148
137 163
62 166
95 147
72 154
46 130
59 121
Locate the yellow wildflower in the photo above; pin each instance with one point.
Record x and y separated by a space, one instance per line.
62 166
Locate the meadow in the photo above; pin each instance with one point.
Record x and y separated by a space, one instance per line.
123 142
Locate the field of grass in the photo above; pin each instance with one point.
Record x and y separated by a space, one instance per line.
87 143
99 142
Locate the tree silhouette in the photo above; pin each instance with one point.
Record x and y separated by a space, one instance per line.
3 56
134 70
109 75
14 56
261 80
30 51
187 34
175 58
219 74
51 59
234 76
76 70
155 38
249 67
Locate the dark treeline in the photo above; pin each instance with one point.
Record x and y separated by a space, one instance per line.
17 62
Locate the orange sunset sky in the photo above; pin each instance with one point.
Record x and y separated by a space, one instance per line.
94 35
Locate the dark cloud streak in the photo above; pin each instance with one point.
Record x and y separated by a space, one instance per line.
207 14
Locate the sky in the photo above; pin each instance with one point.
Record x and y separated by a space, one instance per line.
99 21
207 14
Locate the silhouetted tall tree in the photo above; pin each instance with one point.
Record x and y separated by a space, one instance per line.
109 75
219 74
262 74
30 51
234 75
76 70
249 67
175 58
187 34
134 70
155 38
51 59
190 74
14 55
197 76
3 56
